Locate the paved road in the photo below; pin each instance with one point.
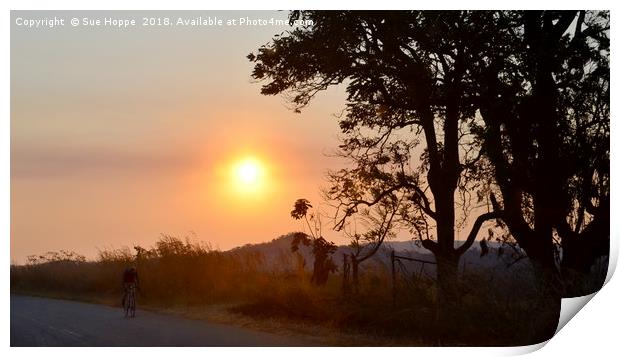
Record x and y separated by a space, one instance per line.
48 322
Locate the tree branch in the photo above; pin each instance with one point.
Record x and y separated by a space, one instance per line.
430 245
474 230
379 242
426 205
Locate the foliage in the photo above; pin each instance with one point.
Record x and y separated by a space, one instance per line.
301 208
56 257
409 112
506 104
544 101
174 270
322 250
181 272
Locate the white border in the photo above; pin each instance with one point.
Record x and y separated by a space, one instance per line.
305 4
593 330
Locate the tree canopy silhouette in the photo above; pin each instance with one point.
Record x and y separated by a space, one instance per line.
409 107
510 105
544 99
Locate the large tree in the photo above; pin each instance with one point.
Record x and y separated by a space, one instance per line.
544 99
409 110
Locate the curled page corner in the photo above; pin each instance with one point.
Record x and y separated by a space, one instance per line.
570 308
523 350
613 258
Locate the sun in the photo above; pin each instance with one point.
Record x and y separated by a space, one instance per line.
248 174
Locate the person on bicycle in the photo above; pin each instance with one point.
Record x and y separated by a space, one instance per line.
130 279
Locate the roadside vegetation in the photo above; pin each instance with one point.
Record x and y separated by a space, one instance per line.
181 274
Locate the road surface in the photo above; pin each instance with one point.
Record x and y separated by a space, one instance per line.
48 322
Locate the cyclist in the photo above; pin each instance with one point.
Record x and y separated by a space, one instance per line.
130 278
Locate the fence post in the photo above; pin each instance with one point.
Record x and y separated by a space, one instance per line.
421 271
392 258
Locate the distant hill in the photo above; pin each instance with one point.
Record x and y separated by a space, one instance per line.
277 255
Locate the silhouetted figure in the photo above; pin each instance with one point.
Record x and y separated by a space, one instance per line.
130 278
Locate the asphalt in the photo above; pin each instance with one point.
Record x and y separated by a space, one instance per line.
39 321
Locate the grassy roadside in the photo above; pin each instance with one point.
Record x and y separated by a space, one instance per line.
237 288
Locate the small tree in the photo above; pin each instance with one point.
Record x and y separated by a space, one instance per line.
379 222
321 248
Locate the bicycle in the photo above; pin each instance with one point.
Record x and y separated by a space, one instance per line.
129 303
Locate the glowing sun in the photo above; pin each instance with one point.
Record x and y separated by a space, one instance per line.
248 174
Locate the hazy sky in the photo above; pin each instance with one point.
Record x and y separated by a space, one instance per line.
118 135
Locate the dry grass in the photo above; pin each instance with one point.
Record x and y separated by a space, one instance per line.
194 281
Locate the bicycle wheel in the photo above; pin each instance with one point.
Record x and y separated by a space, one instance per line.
126 304
132 306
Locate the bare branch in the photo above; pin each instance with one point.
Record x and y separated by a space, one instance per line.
474 230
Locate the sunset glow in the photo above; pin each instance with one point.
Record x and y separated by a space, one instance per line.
190 145
325 177
248 174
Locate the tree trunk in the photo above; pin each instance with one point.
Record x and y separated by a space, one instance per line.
346 271
447 271
354 271
447 312
547 302
447 260
445 254
581 252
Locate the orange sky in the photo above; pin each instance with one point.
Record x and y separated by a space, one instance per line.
120 135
